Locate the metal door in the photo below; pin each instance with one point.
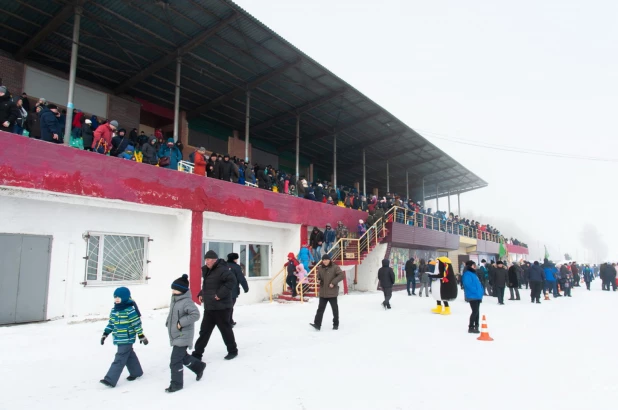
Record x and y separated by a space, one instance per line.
24 278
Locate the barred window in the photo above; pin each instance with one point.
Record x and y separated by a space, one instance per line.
115 258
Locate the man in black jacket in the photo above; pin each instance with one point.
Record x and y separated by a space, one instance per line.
316 239
411 276
232 261
8 111
216 295
500 281
514 281
386 276
536 275
225 169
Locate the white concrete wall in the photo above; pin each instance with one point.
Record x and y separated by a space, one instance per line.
368 270
66 218
283 238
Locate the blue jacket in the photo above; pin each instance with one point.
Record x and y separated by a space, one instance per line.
330 236
550 272
473 289
125 325
174 154
50 126
304 256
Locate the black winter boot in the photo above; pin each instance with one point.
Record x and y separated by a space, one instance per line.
316 327
173 389
476 330
198 368
470 329
231 356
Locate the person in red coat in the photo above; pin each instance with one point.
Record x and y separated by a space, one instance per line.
102 142
200 162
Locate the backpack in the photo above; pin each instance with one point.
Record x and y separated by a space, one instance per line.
102 146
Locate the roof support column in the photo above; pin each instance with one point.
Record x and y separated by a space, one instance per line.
177 99
424 193
449 202
68 125
364 175
458 205
335 161
437 198
388 179
297 146
247 125
407 187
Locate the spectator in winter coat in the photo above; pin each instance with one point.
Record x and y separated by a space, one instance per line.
225 169
149 152
87 135
500 281
588 276
25 102
133 137
216 295
128 153
102 142
319 192
329 276
330 237
34 123
536 277
180 325
423 274
301 186
550 277
232 262
411 276
474 292
291 277
78 120
170 150
8 111
514 282
301 274
304 256
199 165
120 143
50 127
386 277
361 228
316 239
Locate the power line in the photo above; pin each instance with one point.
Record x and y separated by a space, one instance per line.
515 149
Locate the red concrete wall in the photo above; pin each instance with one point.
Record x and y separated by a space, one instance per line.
520 250
34 164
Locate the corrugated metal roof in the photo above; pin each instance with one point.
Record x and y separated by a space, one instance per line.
120 39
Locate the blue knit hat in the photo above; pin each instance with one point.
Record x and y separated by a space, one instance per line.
123 293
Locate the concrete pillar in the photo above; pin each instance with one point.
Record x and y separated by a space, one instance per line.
68 124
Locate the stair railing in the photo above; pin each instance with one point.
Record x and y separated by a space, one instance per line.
271 283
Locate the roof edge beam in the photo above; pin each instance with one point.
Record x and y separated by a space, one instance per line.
241 90
67 11
293 113
161 63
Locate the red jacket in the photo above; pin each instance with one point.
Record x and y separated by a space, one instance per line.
77 120
103 132
199 167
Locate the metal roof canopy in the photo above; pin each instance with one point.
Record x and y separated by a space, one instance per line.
131 47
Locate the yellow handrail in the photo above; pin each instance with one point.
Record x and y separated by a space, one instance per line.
269 285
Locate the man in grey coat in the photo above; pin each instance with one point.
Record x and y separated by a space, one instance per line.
181 328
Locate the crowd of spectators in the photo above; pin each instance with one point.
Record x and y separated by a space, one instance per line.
46 122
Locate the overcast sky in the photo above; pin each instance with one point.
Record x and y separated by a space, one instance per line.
532 74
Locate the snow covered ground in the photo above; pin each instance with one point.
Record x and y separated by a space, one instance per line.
560 354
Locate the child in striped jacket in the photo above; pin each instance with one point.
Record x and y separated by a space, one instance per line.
125 324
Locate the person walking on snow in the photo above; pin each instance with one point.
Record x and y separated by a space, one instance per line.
180 325
125 324
536 277
514 281
588 276
329 276
386 276
216 295
411 275
474 292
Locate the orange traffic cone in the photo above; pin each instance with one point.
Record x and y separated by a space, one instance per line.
546 296
484 332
